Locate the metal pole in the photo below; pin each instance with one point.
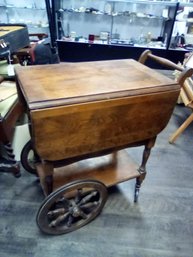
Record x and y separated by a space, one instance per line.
51 23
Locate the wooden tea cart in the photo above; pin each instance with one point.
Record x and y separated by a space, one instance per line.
82 117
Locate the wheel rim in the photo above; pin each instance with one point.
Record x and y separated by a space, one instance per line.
28 158
71 206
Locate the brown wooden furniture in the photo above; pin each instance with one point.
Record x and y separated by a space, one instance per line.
186 82
14 35
82 116
186 97
10 111
25 55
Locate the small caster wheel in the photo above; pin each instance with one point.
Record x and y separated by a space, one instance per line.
28 158
72 206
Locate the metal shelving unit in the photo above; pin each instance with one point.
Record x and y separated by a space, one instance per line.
32 13
140 23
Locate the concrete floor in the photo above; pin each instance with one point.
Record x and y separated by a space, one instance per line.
159 225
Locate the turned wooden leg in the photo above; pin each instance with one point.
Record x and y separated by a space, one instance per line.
49 184
45 171
9 151
142 168
48 179
114 158
9 163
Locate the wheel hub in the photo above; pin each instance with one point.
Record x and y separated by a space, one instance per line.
75 211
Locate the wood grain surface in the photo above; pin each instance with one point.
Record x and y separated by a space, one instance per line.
66 83
80 108
159 225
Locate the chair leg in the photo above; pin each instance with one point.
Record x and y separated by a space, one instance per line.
177 133
8 163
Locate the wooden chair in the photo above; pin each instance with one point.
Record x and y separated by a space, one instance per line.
186 94
24 55
10 111
38 52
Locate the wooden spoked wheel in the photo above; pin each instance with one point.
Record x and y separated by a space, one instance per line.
71 206
28 158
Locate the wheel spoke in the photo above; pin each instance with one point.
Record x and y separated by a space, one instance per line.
61 218
56 212
70 220
62 201
89 205
88 197
78 196
83 215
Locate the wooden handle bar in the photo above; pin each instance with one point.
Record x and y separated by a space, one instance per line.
185 72
163 61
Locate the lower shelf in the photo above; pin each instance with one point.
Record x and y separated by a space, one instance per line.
110 169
